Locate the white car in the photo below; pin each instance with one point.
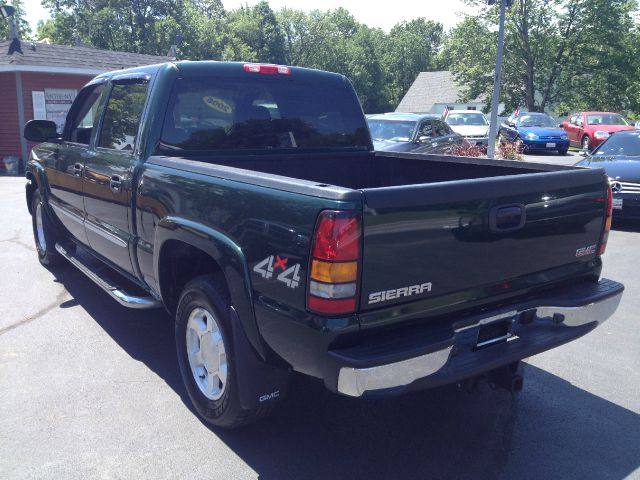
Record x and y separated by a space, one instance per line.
471 124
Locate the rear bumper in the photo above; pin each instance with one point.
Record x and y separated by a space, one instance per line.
536 326
630 206
478 141
431 351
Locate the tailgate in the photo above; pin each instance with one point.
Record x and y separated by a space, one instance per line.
423 241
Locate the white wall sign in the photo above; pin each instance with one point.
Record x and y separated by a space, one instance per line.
39 106
58 102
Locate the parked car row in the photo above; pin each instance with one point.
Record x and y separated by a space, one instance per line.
538 131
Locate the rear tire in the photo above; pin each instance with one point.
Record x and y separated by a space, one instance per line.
204 345
44 233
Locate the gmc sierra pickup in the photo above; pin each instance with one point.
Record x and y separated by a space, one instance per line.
247 200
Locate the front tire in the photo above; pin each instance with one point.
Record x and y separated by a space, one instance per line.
43 233
563 151
586 144
204 345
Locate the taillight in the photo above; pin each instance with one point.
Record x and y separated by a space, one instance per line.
607 221
335 255
267 69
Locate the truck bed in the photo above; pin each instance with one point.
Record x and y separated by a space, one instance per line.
376 170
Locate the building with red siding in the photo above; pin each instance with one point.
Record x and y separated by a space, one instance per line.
40 80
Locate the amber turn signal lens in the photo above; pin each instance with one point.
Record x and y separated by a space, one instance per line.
331 272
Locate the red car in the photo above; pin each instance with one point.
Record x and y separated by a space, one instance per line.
589 129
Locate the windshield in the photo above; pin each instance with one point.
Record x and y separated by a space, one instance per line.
606 119
218 114
391 130
536 121
620 144
463 119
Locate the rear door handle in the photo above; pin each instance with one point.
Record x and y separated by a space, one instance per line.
115 183
77 169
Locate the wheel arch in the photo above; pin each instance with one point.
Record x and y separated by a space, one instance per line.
186 249
35 180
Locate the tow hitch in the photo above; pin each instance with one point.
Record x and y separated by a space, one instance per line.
508 378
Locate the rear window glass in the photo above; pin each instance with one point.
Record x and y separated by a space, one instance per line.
222 114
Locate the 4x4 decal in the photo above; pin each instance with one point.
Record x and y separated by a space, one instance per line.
289 276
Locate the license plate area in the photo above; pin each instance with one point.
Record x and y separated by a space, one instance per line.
492 333
617 203
551 145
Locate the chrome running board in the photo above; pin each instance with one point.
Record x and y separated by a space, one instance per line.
99 278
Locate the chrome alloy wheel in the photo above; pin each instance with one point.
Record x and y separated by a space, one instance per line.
207 354
585 144
42 243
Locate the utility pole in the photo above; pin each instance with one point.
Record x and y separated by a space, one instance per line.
495 100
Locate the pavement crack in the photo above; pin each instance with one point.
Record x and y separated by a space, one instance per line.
37 315
16 240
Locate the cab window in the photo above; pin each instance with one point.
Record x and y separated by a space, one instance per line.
83 115
441 128
122 117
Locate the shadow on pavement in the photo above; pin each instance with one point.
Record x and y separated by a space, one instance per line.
552 430
626 225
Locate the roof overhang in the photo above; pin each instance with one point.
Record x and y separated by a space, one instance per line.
59 70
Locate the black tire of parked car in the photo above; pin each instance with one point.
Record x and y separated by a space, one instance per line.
44 233
563 151
209 292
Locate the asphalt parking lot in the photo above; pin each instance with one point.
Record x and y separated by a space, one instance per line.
89 389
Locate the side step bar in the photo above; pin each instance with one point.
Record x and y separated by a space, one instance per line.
118 294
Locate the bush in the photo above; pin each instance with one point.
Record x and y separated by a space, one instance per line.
509 151
467 150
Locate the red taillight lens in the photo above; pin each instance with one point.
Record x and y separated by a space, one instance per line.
267 69
333 276
607 221
337 236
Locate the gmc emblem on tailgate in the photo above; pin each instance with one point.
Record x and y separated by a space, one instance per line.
584 251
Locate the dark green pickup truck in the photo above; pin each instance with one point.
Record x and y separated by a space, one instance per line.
247 201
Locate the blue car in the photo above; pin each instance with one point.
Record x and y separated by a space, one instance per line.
534 131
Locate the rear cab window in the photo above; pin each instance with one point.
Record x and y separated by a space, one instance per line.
218 114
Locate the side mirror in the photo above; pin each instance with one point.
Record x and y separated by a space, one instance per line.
423 139
40 131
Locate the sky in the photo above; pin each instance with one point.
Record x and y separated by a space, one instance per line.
371 12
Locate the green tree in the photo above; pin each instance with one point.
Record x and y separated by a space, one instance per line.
411 47
557 52
254 30
24 31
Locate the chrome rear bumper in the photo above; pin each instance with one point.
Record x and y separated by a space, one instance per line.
536 330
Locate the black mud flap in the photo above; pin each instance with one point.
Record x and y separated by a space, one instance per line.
258 382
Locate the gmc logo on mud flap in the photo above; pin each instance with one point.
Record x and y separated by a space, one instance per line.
269 396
